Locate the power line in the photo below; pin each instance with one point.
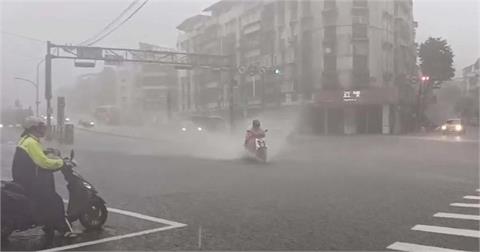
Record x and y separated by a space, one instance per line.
130 6
23 36
118 26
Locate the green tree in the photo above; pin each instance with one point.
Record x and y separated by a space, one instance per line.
436 59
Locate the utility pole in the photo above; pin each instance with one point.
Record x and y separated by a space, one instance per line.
38 85
48 84
233 83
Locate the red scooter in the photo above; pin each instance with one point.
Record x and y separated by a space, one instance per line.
257 147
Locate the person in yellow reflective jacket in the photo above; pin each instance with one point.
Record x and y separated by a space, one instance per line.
33 169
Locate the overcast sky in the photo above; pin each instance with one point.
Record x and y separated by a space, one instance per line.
74 21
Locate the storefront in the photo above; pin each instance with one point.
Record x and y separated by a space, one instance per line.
366 111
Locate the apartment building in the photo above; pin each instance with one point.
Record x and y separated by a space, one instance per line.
347 63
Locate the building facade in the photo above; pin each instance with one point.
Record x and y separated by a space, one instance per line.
144 93
345 63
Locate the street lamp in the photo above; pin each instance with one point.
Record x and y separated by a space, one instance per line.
37 101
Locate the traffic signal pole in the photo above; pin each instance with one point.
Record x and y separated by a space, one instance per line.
48 84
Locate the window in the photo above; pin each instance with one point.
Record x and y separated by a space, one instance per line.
359 31
360 48
360 63
293 9
360 3
330 63
330 33
329 4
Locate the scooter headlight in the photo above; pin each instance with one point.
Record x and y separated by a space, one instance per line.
87 185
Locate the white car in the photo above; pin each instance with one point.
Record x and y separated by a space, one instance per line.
453 126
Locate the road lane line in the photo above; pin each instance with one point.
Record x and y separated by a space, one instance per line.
447 230
109 239
465 205
472 197
457 216
403 246
146 217
142 216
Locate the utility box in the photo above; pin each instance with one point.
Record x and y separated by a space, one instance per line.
68 134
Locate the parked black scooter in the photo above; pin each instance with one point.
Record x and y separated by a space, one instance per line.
84 204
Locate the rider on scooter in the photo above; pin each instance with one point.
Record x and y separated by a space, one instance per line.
252 134
33 170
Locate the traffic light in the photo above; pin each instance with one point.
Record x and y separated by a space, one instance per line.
425 78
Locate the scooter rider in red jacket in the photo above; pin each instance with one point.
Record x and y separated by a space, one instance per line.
252 134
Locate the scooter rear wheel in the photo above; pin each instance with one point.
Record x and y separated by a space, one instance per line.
94 217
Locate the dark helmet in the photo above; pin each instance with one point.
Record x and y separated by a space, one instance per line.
256 123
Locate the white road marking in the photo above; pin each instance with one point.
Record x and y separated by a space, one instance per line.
403 246
457 216
109 239
465 205
447 230
478 190
142 216
170 225
146 217
472 197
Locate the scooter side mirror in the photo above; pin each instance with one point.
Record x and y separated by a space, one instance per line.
72 154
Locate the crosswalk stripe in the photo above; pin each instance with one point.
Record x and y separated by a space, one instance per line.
465 205
403 246
472 197
447 230
457 216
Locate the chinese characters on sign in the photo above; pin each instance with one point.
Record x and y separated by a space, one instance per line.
351 95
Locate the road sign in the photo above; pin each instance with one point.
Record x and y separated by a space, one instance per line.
89 53
86 64
112 59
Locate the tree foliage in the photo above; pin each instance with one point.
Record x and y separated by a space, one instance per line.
436 59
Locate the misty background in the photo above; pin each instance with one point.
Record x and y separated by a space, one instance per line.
25 25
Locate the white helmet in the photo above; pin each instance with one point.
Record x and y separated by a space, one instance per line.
32 121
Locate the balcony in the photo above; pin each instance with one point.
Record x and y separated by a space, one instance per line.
362 19
360 7
360 4
252 28
330 12
359 32
362 37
